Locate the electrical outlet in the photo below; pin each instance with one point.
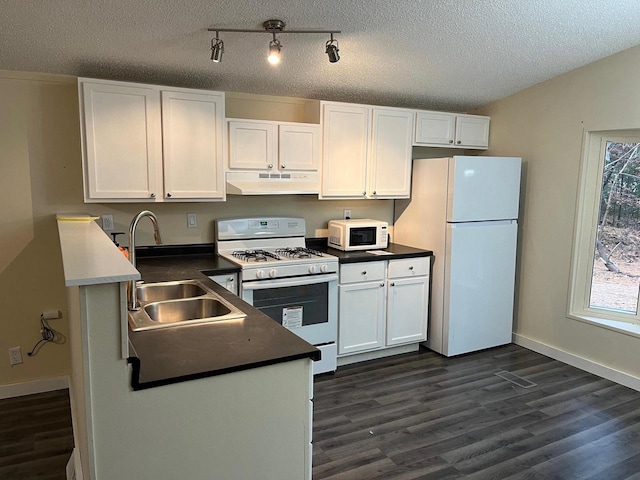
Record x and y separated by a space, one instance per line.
346 213
107 222
192 220
15 356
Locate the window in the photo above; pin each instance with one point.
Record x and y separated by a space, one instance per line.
606 259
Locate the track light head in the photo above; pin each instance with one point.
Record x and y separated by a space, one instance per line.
217 49
275 48
332 50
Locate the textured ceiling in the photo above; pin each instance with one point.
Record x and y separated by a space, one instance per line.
442 54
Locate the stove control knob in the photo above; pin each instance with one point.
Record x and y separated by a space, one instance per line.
260 274
324 268
313 269
273 273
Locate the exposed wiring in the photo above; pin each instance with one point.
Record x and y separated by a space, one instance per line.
48 334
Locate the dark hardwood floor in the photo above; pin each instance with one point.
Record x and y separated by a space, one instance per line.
424 416
36 437
414 416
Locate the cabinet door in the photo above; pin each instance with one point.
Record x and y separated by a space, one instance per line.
407 310
122 142
299 147
345 151
390 167
361 317
227 280
252 145
472 131
192 130
435 128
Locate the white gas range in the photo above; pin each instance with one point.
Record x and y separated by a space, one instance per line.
294 285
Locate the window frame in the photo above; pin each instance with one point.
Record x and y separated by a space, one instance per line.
585 230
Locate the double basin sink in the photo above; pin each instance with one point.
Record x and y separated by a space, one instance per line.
169 304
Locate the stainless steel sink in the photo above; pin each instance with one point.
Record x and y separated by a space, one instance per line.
159 292
185 310
170 304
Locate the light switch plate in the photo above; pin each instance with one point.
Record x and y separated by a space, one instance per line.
192 220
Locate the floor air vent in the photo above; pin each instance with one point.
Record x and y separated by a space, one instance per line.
515 379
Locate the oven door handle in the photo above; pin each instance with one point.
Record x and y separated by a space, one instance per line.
289 282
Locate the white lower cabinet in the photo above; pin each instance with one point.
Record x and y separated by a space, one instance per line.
382 304
227 280
407 300
361 307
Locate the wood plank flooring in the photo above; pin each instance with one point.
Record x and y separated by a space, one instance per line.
415 416
36 438
424 416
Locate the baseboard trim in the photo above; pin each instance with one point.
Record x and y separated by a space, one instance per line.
35 386
578 362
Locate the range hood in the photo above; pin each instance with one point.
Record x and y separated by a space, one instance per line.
265 183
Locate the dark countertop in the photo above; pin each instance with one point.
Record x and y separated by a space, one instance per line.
176 354
394 251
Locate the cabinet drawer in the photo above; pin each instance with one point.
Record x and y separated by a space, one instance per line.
362 272
408 267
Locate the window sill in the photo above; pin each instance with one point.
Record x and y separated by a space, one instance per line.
628 328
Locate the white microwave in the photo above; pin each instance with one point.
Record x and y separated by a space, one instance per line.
358 234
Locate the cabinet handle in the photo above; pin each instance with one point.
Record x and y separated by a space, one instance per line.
450 141
364 272
459 142
364 194
153 195
284 166
382 284
230 279
411 267
393 284
168 195
374 192
270 165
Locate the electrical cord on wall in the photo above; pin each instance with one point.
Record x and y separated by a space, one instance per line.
48 334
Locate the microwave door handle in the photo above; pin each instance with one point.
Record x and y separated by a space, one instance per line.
289 282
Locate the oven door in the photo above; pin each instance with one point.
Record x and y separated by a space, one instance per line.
308 306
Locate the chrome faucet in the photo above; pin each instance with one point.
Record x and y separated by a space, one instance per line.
132 289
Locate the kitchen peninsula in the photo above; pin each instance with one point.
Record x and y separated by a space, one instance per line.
211 412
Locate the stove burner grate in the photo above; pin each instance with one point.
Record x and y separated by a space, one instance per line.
298 252
254 255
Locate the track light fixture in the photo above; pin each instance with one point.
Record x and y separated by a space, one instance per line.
217 49
332 50
275 47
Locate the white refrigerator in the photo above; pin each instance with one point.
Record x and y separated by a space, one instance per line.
465 209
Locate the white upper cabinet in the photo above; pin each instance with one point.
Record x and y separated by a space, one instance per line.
299 147
193 143
366 151
440 129
345 150
435 128
390 170
472 131
252 145
137 139
122 142
266 145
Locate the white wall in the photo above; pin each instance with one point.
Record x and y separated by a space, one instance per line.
546 124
